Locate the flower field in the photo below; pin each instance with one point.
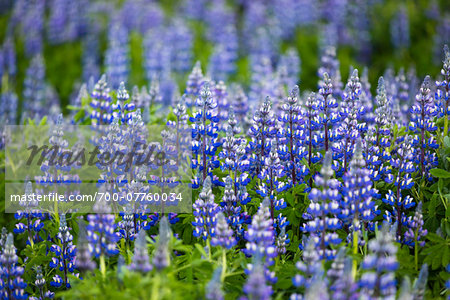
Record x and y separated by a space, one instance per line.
241 149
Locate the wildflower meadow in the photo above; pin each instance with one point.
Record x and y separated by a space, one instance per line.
225 149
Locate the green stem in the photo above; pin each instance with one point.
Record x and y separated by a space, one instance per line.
224 265
416 249
155 290
102 266
355 251
445 125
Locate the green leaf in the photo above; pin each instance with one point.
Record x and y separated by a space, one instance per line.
439 173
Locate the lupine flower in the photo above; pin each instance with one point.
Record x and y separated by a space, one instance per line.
422 123
349 129
327 106
204 135
323 210
260 238
415 231
101 103
330 64
34 89
308 266
223 234
12 286
141 259
401 161
116 57
400 29
261 132
181 39
256 286
239 103
378 279
205 211
231 209
214 287
161 259
443 88
343 286
84 260
40 284
33 217
194 84
311 138
357 205
64 254
421 283
292 118
101 230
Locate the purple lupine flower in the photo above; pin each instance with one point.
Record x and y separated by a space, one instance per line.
239 103
9 58
141 260
420 285
327 106
357 205
349 129
342 284
194 84
401 162
213 290
311 138
91 55
64 252
256 286
223 234
231 209
12 286
32 26
101 230
271 185
330 64
402 97
415 231
204 135
260 238
221 96
84 260
181 39
262 80
205 212
308 266
261 132
218 17
116 56
323 210
292 149
422 125
378 278
366 97
161 259
40 284
32 217
34 90
443 88
400 36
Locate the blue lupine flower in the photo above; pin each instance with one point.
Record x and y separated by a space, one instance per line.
415 231
291 64
443 86
239 102
213 290
12 285
231 209
400 29
194 84
101 103
312 139
378 279
422 123
64 252
256 286
35 103
101 229
116 56
141 260
204 135
357 205
349 129
260 238
40 284
330 64
341 282
261 132
323 210
161 259
205 212
84 260
33 217
401 162
308 266
292 149
327 106
223 234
